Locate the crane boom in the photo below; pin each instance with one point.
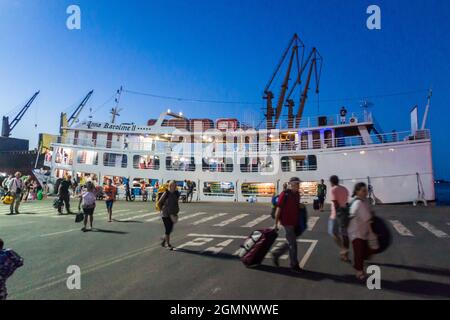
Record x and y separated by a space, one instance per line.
7 126
74 117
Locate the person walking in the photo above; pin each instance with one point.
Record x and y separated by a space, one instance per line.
87 203
287 213
110 196
168 203
359 228
321 194
127 190
9 262
15 189
339 199
64 195
343 114
190 192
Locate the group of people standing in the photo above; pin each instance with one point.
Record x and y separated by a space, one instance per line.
349 223
21 188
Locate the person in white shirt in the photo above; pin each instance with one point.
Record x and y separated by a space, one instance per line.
359 229
15 188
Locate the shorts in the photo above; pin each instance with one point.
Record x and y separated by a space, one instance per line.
321 199
88 211
109 204
334 228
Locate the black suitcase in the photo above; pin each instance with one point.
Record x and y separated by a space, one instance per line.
316 204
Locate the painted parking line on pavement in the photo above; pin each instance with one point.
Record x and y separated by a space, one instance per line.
158 217
256 221
233 219
57 233
438 233
214 216
202 239
141 216
400 228
312 222
218 247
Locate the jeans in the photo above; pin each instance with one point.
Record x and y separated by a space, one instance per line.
290 244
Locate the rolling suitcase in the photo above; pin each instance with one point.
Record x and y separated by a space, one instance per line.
316 204
256 246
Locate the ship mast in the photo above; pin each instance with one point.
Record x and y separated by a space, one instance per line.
115 111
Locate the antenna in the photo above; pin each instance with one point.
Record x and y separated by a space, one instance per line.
115 111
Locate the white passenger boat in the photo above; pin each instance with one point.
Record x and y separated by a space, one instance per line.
232 161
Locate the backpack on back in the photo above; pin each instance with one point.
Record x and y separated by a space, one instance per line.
88 201
161 190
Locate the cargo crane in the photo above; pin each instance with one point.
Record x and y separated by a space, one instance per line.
293 48
314 62
74 117
68 122
7 126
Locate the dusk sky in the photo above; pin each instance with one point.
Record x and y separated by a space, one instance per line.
223 50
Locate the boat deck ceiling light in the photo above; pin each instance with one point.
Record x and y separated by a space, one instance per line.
391 149
168 111
362 152
345 153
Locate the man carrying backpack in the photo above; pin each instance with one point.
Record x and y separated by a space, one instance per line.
9 262
16 188
287 213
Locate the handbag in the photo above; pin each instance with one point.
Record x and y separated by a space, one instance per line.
79 217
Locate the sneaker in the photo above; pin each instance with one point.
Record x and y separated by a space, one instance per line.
163 242
296 268
169 246
83 229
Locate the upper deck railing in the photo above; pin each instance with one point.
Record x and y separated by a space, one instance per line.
285 146
319 121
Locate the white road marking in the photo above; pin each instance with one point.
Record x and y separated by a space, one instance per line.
256 221
226 222
275 247
192 215
209 218
312 222
209 237
197 242
308 253
140 216
158 217
400 228
56 233
438 233
219 247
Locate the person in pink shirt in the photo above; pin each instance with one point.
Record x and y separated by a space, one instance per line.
339 199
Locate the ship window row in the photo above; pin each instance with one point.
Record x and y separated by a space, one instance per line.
182 163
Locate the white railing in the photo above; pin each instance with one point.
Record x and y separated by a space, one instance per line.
223 148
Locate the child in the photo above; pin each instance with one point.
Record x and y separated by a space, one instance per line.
9 262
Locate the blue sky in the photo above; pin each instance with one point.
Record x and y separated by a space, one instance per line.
223 50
